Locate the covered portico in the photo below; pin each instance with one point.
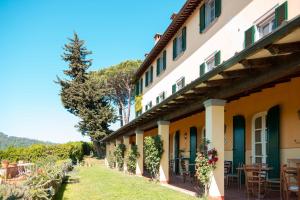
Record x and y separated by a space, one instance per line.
223 103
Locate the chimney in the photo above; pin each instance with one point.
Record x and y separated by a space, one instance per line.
173 16
156 37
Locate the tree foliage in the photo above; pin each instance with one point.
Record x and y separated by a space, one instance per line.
131 159
83 96
118 80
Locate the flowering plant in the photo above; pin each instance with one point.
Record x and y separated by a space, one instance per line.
212 157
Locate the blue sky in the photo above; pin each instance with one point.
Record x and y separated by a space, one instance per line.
32 34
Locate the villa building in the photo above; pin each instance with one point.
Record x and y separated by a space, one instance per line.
227 71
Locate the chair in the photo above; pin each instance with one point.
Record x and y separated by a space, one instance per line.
255 180
185 172
231 177
171 167
289 181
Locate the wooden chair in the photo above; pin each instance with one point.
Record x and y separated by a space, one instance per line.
289 182
255 180
185 172
232 177
171 167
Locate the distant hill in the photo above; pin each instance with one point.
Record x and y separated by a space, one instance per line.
7 141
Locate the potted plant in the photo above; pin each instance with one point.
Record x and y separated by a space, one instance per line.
4 164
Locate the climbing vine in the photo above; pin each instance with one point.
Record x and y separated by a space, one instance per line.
153 150
131 159
119 155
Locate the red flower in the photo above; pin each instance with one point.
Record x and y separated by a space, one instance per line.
215 159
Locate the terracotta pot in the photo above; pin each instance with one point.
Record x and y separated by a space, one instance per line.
4 164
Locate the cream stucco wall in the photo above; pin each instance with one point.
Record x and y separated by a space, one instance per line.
225 34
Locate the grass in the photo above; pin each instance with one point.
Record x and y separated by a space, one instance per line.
99 183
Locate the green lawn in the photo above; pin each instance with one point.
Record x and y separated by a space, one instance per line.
98 182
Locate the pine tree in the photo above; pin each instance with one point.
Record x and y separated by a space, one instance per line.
84 96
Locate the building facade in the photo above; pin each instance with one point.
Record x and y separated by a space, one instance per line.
227 71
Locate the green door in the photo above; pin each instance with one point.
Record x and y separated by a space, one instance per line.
176 151
238 141
193 148
273 142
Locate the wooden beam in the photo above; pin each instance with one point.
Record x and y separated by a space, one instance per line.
220 82
276 49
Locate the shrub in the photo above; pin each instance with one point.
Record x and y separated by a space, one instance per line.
153 151
111 158
119 155
131 159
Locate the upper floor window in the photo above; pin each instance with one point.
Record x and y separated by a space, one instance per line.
139 87
178 85
160 97
210 63
148 106
161 63
149 76
274 19
179 43
266 26
209 11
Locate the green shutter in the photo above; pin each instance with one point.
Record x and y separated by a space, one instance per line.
249 36
202 69
157 67
202 18
141 88
151 74
281 14
184 39
193 149
273 146
147 78
183 81
217 58
157 100
239 132
218 8
174 48
164 59
164 96
150 104
137 88
173 88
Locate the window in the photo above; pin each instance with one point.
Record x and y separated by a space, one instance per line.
267 26
148 106
259 138
178 85
275 17
139 87
138 113
160 97
210 63
209 11
161 63
179 43
149 76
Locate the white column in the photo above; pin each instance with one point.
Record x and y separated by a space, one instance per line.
126 143
139 137
163 131
214 125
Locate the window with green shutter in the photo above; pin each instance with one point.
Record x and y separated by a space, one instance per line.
184 39
147 78
281 14
158 67
249 36
202 69
217 58
151 74
137 88
157 100
202 18
218 8
173 88
174 48
164 60
141 86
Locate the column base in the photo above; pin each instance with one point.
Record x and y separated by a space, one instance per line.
164 181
